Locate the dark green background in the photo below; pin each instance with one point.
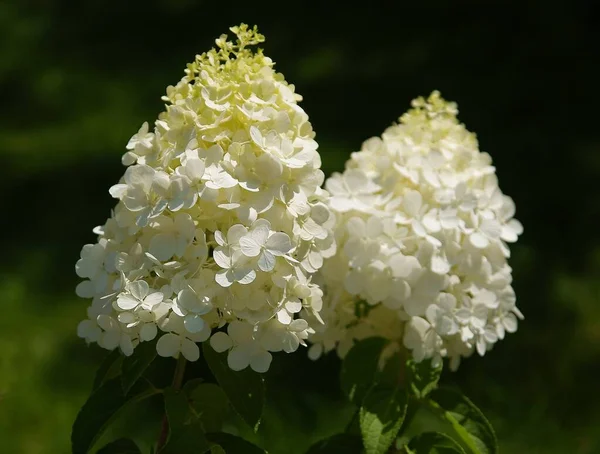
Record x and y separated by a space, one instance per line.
78 78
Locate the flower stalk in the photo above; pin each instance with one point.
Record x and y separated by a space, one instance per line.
177 383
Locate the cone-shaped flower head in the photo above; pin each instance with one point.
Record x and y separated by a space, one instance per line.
220 221
422 229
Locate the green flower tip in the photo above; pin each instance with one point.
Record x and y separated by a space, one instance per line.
228 52
434 107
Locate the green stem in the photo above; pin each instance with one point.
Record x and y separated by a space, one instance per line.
402 372
402 382
177 382
179 373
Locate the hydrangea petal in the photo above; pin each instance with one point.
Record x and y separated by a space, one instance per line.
260 231
138 289
127 302
126 345
249 246
148 332
279 244
220 342
190 350
261 361
111 339
221 257
266 261
85 289
244 275
238 358
224 278
163 246
194 323
153 299
168 345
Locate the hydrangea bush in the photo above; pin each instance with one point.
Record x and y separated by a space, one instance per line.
220 220
222 236
422 235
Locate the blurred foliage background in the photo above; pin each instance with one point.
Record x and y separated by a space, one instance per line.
77 79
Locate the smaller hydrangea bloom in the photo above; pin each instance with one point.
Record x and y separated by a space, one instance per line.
422 233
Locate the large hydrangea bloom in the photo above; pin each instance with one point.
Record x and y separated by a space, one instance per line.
220 221
422 231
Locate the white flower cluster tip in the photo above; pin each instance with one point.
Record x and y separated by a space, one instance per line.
422 229
220 222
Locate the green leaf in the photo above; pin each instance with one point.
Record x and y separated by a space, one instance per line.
120 446
100 410
245 389
342 443
381 417
134 366
469 424
190 385
177 408
185 432
209 403
216 449
434 443
234 445
422 377
109 368
360 368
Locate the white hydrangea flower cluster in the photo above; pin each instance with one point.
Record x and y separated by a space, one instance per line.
422 232
220 223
